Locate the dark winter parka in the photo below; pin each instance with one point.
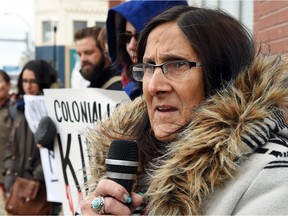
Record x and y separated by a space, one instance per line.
22 157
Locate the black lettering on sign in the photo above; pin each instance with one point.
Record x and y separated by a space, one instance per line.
82 160
76 111
66 162
56 108
50 157
80 111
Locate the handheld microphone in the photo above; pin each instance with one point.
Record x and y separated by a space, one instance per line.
45 133
122 163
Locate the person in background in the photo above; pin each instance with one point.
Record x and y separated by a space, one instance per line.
22 157
124 23
102 39
7 116
91 44
210 127
95 65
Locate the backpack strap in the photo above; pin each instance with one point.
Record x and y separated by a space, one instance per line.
111 81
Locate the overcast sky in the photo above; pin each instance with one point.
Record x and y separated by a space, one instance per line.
14 26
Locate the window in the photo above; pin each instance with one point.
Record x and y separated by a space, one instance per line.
46 31
100 24
77 25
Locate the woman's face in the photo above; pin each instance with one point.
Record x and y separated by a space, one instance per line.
30 86
4 89
131 46
170 102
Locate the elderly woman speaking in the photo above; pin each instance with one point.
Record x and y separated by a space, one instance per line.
210 128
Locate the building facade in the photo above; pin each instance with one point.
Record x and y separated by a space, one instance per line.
67 16
56 23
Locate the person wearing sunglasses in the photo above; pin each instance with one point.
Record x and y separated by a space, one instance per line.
124 24
210 129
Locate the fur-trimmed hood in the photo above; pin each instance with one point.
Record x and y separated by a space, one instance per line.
209 151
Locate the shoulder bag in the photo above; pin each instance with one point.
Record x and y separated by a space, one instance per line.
28 197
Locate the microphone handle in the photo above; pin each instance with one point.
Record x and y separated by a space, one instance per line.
127 184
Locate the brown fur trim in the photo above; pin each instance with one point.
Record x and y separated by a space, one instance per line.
118 126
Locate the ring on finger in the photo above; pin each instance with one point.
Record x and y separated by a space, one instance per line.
98 205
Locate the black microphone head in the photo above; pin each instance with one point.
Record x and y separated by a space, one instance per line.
123 150
122 162
45 132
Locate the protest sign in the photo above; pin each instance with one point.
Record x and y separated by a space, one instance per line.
35 110
74 111
51 176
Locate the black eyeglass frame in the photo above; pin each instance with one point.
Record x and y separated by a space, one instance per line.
140 67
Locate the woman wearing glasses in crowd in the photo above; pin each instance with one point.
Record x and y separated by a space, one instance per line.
209 126
22 157
124 22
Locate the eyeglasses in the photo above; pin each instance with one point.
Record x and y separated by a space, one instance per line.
126 37
172 70
31 82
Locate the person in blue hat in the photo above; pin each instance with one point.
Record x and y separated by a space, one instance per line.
124 23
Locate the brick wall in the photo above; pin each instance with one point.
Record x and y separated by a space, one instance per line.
271 24
113 3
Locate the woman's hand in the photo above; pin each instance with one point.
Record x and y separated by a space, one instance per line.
117 201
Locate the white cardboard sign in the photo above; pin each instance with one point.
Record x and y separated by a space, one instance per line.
73 111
